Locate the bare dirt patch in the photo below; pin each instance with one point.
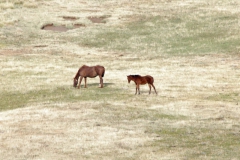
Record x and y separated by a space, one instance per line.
61 28
52 27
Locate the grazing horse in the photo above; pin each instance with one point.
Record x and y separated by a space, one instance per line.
141 80
91 72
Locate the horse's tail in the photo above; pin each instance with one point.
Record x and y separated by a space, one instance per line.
103 73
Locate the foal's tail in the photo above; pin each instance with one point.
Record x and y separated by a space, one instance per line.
150 79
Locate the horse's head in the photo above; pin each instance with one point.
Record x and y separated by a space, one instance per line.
75 82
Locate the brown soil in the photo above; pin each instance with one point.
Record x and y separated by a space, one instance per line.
61 28
55 28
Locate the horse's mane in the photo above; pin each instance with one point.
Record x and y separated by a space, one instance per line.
77 75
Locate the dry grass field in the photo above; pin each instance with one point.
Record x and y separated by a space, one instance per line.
190 47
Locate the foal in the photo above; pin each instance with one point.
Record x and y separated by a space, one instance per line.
141 80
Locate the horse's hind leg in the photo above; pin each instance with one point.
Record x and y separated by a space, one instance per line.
154 88
101 81
149 88
85 80
79 85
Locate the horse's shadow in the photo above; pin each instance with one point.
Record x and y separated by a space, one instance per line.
97 85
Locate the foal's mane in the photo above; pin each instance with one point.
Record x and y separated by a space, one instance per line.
135 75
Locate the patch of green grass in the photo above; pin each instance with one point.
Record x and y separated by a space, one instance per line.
198 142
155 116
225 97
12 100
112 40
176 35
12 4
208 35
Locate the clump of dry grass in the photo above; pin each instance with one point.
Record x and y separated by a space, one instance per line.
6 6
14 4
30 5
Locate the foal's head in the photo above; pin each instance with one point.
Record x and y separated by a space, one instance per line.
129 78
75 82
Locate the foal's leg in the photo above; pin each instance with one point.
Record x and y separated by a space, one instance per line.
79 85
85 80
149 88
154 88
138 89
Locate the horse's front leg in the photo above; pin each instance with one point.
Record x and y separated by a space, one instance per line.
79 85
149 88
85 81
101 82
136 90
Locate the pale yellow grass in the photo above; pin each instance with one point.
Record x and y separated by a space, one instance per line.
79 130
68 130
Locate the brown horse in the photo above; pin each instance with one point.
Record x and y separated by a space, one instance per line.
141 80
91 72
